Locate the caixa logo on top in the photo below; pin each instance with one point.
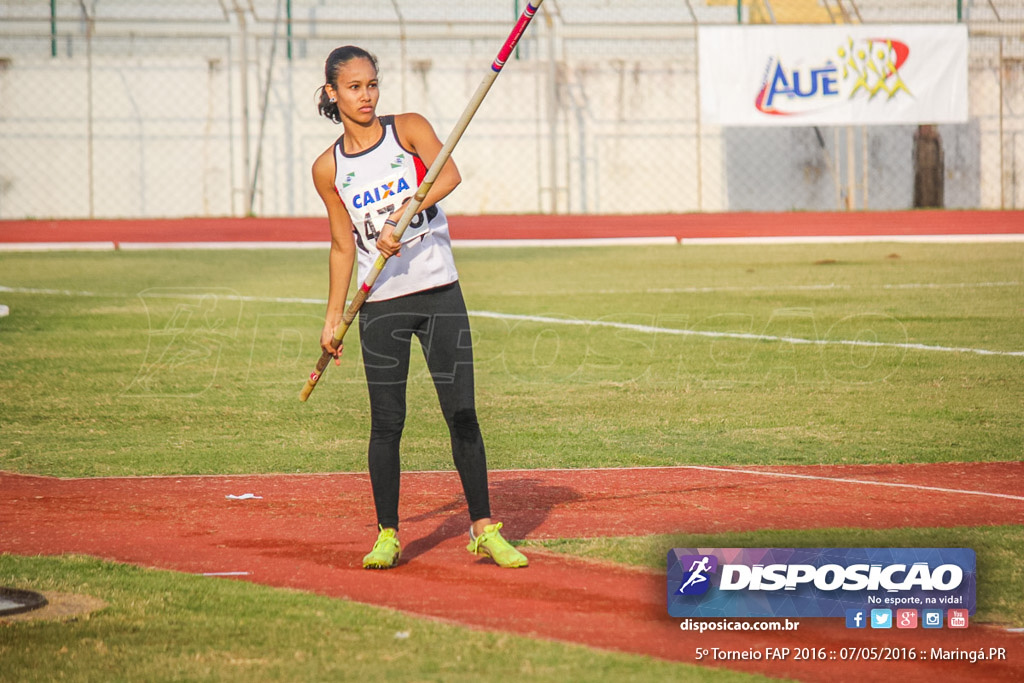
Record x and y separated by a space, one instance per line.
816 582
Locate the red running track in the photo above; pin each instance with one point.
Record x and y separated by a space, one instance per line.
680 226
310 531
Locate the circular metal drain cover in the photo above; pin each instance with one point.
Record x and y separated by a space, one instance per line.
15 601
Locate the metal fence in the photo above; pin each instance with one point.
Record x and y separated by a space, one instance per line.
138 108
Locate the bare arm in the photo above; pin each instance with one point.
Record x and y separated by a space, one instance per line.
416 134
343 248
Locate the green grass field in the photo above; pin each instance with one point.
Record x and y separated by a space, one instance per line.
135 363
134 371
163 626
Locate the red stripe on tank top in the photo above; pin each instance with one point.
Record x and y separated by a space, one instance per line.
421 169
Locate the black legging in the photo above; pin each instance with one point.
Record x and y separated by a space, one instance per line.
438 319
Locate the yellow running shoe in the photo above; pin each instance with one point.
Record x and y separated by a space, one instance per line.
491 544
386 551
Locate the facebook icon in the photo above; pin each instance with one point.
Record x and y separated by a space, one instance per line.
856 618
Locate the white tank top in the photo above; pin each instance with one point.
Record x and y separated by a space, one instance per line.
372 184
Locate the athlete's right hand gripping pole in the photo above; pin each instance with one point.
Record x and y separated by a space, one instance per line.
423 189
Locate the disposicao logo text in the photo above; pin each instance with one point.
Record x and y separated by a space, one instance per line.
807 582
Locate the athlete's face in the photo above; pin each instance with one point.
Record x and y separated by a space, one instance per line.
356 91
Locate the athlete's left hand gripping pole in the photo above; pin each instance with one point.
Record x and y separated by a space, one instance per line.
423 189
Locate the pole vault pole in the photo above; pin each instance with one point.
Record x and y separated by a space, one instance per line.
424 188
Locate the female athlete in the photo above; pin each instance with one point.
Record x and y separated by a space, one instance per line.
365 180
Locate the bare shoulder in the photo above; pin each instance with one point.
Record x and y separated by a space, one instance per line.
324 169
412 120
414 128
325 162
324 172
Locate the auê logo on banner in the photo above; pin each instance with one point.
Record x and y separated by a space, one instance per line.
867 68
833 75
817 582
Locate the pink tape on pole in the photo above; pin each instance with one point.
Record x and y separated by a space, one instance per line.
517 33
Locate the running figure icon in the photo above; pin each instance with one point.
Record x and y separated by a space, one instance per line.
697 573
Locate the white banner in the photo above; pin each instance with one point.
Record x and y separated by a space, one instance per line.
833 75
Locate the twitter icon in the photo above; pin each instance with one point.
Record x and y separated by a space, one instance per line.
881 618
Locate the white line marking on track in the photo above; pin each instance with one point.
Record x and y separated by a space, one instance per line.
13 247
738 335
669 240
949 285
854 239
775 288
449 473
56 246
168 295
560 242
226 574
56 292
650 329
219 246
866 482
659 290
